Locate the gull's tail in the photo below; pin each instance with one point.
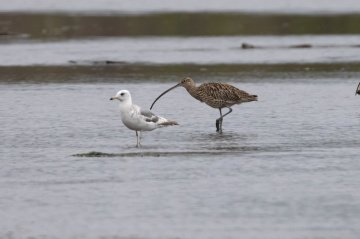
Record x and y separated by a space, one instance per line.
166 122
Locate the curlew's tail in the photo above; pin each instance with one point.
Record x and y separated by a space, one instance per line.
249 98
253 97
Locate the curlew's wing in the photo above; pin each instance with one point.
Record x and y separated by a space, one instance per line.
224 92
357 92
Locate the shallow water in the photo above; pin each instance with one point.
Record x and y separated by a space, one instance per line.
285 166
145 6
188 50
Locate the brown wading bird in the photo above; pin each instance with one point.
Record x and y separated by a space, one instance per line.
216 95
357 92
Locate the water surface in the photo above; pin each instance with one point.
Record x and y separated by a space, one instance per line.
146 6
189 50
285 166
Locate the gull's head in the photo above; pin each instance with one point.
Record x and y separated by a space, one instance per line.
122 96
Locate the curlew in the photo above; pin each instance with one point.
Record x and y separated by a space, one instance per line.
136 118
357 92
216 95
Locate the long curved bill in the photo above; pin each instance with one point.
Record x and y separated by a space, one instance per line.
164 94
357 92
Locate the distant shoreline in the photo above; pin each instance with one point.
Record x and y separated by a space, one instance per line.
168 73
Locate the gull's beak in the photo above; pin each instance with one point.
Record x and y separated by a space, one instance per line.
164 94
113 98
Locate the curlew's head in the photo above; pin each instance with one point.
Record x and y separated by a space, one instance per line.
187 83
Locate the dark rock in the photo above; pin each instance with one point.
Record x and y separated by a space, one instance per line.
247 46
302 46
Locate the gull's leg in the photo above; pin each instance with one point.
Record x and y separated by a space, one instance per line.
137 140
219 122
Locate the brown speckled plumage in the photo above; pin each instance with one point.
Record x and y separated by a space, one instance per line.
220 95
216 95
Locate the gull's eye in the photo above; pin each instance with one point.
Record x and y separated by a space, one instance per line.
122 94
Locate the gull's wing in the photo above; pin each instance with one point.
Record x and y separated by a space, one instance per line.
357 92
149 116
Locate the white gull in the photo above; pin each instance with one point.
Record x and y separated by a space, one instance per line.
136 118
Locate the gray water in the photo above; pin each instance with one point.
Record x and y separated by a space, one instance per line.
146 6
285 167
188 50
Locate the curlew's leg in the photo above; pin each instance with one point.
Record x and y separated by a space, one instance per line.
230 110
219 122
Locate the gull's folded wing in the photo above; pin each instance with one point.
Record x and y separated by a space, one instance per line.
149 116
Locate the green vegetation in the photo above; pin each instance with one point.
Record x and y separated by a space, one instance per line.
46 26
